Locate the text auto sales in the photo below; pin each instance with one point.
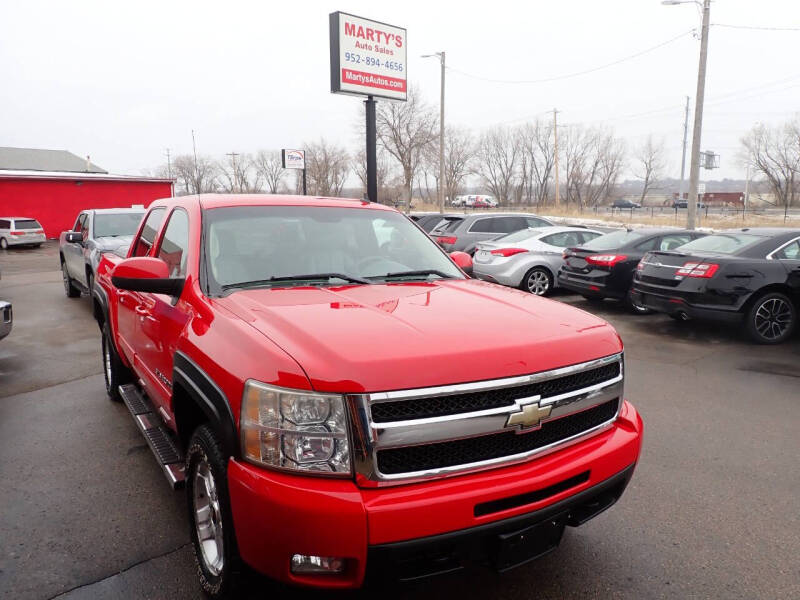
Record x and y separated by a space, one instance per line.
368 34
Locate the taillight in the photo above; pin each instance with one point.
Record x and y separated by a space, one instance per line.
605 260
40 231
508 251
17 233
446 240
640 265
701 270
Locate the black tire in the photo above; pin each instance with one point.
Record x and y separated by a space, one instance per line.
204 459
69 287
771 319
37 245
90 282
114 372
633 307
537 281
3 244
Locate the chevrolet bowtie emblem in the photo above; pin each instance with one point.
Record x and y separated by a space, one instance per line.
530 414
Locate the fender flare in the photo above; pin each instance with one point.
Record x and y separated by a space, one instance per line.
210 398
100 295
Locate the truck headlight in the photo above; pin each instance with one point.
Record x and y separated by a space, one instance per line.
294 429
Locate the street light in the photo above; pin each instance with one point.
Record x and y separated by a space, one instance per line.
440 56
694 168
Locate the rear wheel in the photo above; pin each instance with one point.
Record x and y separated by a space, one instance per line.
537 281
210 516
116 373
4 243
69 288
771 319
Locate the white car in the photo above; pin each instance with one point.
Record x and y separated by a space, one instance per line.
528 259
20 231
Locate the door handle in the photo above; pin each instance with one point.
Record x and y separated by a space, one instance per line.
142 310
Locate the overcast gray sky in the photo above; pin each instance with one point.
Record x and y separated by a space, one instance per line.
123 81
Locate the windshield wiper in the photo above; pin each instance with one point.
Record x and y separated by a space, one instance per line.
314 277
419 273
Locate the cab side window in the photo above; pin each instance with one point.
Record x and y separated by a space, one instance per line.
174 247
145 241
79 222
790 252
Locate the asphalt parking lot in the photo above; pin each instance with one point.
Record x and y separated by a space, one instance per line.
712 511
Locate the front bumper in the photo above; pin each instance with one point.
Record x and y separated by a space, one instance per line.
277 515
6 318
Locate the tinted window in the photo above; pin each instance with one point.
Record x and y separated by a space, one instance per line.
534 222
174 249
145 241
517 236
116 224
510 224
589 235
670 242
563 239
451 225
27 224
722 243
613 240
647 245
791 252
5 224
484 226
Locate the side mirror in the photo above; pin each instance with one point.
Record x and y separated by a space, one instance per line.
74 237
463 260
144 274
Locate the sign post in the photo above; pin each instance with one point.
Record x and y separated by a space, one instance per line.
368 58
295 159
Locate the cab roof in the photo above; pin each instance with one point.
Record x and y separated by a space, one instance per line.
210 201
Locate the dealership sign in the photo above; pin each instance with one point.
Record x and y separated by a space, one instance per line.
293 159
367 57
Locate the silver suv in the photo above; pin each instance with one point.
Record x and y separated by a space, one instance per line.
464 232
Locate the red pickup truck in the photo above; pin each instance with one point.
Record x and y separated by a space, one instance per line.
342 402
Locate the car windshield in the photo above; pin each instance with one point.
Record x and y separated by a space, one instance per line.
249 246
27 224
116 224
721 243
519 236
613 240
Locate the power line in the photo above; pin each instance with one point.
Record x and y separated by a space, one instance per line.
755 28
577 73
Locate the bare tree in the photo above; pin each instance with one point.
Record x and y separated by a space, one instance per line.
498 161
593 159
268 165
237 174
195 179
327 168
537 158
384 174
404 130
775 153
649 164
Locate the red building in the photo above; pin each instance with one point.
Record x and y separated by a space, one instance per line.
53 186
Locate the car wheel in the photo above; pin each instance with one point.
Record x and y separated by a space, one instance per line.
4 243
115 373
538 281
210 516
635 307
69 288
771 319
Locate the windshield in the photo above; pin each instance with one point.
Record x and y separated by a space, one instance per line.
27 224
721 243
519 236
611 241
258 245
115 224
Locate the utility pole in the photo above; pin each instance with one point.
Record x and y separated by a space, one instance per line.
694 167
194 149
236 179
555 151
441 141
169 165
683 155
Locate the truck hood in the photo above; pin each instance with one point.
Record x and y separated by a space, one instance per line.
113 244
398 336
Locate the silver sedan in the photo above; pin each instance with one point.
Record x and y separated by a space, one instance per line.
528 259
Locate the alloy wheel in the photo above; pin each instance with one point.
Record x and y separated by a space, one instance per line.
208 518
773 318
538 283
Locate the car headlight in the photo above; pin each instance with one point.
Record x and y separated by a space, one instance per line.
294 429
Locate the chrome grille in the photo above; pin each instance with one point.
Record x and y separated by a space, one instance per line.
417 434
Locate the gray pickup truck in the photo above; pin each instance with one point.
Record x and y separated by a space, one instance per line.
95 231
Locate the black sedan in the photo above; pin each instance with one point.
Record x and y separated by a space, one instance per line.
747 276
604 267
427 221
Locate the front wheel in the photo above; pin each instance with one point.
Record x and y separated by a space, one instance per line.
116 373
538 281
210 516
69 287
771 319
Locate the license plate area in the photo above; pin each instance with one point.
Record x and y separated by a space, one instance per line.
518 547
